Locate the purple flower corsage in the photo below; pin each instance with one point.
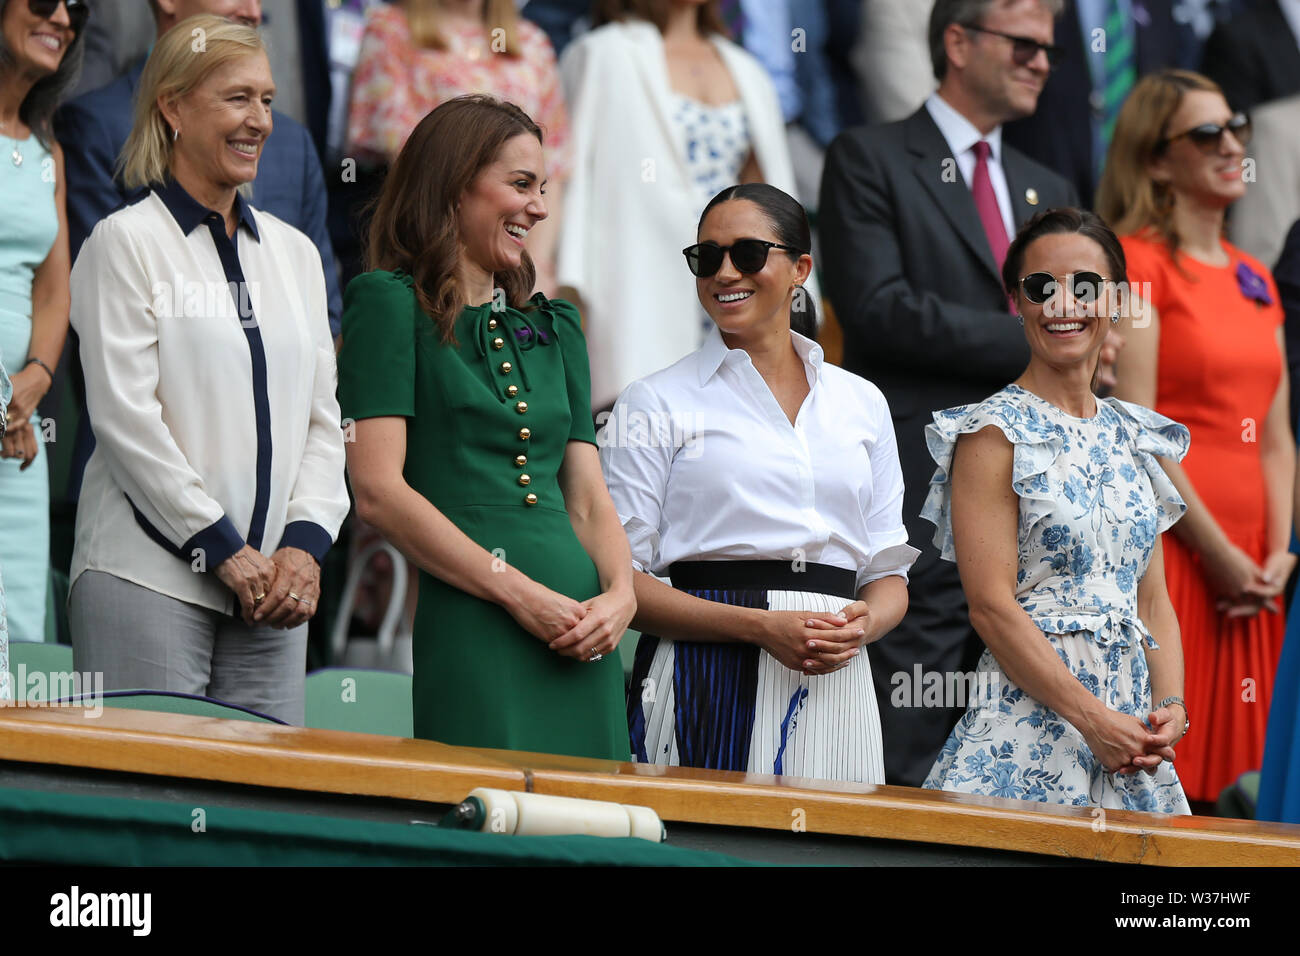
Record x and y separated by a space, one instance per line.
1252 285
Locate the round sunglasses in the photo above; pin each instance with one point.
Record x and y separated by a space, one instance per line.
1208 137
704 259
1039 287
78 11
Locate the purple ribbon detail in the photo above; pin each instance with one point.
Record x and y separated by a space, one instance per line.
1252 285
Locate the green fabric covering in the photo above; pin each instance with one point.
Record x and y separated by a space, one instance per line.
376 702
165 703
39 659
60 828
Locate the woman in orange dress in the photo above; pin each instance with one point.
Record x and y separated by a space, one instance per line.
1205 347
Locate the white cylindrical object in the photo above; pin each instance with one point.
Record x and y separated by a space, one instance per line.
540 814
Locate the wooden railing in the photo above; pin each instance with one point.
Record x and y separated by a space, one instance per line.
334 762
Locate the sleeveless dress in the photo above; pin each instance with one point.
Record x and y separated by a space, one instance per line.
1093 498
6 692
31 225
488 420
1219 366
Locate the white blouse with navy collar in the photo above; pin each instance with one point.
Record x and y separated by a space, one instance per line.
703 464
210 386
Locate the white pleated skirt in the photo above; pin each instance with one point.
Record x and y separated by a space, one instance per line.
735 707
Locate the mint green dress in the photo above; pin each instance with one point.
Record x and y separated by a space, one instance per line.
488 420
31 225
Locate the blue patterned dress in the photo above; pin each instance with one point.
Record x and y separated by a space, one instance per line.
1092 501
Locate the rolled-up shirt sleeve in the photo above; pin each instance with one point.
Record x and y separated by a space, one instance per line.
636 455
112 313
319 502
887 536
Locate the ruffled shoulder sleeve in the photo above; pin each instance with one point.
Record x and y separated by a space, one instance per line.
1153 434
1036 441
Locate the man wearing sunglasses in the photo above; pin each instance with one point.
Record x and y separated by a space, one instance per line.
916 219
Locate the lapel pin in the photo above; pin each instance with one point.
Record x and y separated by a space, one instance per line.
1031 196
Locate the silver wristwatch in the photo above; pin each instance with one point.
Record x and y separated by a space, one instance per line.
1187 720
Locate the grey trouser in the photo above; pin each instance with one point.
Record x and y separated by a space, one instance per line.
142 640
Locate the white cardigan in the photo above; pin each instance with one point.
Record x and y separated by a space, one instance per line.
630 207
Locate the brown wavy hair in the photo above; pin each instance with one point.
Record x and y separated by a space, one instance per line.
1127 197
414 225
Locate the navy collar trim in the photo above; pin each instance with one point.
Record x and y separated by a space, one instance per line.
189 213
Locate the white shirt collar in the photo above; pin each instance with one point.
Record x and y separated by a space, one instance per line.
714 353
959 132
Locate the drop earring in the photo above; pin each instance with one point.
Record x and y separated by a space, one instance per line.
176 134
1020 318
1114 319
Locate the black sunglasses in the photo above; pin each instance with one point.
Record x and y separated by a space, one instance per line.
1208 137
1039 287
704 259
1023 49
78 11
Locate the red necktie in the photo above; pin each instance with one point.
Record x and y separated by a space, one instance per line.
986 203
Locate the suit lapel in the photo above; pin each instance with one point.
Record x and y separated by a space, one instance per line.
1022 185
937 171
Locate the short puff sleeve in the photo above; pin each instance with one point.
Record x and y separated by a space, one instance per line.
1153 434
376 361
1036 441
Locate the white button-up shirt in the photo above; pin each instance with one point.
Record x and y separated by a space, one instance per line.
703 464
961 136
210 386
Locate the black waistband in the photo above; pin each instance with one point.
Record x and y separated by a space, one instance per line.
764 576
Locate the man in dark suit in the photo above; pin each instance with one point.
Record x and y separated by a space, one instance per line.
93 129
1069 132
911 215
1255 56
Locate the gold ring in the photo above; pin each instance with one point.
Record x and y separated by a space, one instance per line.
294 596
258 599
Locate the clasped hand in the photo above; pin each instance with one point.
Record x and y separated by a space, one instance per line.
1124 744
288 584
816 642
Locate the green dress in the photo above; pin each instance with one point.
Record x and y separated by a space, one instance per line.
487 423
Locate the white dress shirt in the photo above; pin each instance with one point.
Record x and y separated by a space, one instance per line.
703 464
212 431
961 137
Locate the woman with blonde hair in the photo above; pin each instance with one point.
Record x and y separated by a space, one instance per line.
1205 348
416 54
216 485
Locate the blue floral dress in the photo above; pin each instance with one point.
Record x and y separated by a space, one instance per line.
1092 501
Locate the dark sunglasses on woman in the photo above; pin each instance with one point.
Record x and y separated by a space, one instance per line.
1208 137
1039 287
704 259
78 11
